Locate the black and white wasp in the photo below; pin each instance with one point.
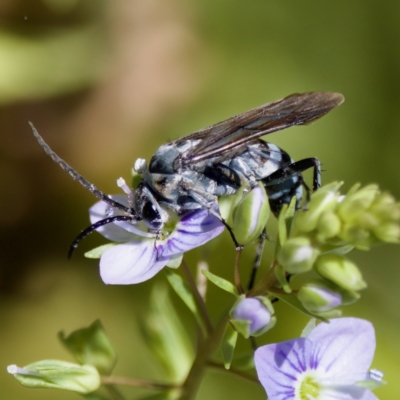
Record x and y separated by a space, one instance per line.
192 172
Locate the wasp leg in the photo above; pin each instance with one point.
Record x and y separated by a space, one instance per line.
295 169
196 195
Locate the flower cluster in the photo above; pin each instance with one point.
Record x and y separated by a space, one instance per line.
319 237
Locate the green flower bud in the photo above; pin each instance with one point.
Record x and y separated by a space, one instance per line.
319 296
57 374
341 271
386 208
356 235
251 214
297 255
388 232
349 297
325 199
328 226
357 201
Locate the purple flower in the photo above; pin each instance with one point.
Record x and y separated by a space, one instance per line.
330 364
141 255
254 312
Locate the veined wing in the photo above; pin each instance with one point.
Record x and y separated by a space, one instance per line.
296 109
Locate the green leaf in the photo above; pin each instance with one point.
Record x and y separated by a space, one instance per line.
175 261
295 303
280 274
228 345
98 251
171 394
57 374
166 337
244 361
94 396
184 292
242 326
60 61
91 346
311 324
220 282
285 220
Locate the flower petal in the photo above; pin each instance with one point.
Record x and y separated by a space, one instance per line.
112 232
343 349
280 365
193 230
131 262
347 393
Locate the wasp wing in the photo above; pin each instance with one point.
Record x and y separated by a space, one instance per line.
233 133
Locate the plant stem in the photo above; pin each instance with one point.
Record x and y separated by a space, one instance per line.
198 298
238 283
265 283
195 375
234 371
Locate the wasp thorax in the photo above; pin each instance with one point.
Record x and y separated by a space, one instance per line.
140 166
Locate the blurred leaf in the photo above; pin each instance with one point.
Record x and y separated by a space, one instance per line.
58 375
220 282
94 396
91 346
165 395
166 337
309 327
295 303
175 261
49 63
228 345
186 295
244 361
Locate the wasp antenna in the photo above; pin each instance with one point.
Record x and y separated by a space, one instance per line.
75 175
93 227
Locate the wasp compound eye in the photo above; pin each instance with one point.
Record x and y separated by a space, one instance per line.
151 216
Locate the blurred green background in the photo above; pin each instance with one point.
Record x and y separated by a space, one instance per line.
106 82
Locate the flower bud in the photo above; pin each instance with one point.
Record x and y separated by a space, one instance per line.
252 316
319 296
356 201
328 226
325 199
57 374
297 255
388 232
349 296
251 214
341 271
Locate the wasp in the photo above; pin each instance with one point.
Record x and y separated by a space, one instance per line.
194 171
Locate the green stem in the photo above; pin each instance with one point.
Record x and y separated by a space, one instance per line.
265 283
201 305
234 371
238 282
205 350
